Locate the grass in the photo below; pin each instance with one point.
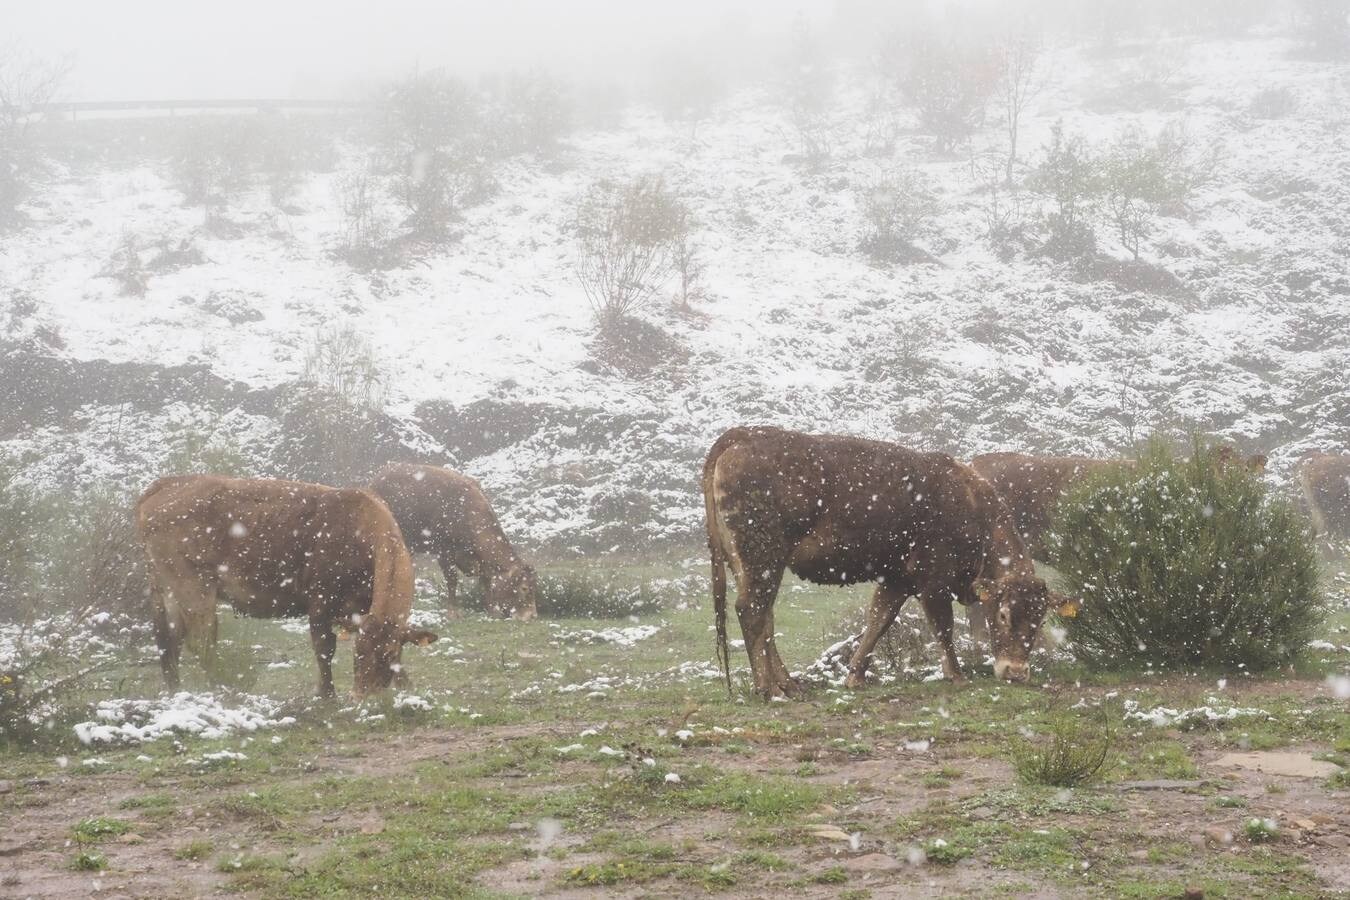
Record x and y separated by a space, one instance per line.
89 861
1074 753
459 790
98 828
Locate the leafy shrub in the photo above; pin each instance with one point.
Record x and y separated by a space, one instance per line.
43 662
1184 562
1068 176
896 208
1073 753
1141 177
626 233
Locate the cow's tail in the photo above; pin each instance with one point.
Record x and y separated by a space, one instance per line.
719 558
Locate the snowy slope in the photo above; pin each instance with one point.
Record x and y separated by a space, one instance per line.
1251 340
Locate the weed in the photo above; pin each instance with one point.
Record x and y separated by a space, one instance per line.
89 861
194 850
91 831
1260 831
1075 754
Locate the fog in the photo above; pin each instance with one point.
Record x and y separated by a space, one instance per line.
318 50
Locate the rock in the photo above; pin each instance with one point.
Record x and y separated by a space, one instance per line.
1306 824
1334 839
1296 765
373 827
6 787
981 812
1218 836
1194 893
1322 819
1292 834
1162 784
517 826
1139 855
830 833
873 862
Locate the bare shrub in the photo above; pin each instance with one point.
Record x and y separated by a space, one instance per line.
126 268
331 423
1004 208
1324 26
95 559
214 161
1019 79
808 90
27 86
364 235
528 112
686 260
686 86
897 208
431 126
1273 103
20 518
949 83
625 233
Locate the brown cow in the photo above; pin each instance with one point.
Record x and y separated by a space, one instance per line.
275 549
1033 485
1325 479
446 514
843 510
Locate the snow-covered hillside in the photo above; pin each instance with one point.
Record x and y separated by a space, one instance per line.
1237 322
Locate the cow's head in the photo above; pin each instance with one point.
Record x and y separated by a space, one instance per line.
514 592
1015 606
379 653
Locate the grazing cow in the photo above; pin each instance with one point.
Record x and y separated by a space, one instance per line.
446 514
843 510
1325 479
275 549
1033 485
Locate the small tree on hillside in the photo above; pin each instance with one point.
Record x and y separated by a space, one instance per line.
625 234
431 126
950 85
1017 58
27 86
1140 176
808 92
1069 176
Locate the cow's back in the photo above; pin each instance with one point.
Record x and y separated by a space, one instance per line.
434 506
841 509
1032 486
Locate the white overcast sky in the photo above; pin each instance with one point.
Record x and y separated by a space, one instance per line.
158 49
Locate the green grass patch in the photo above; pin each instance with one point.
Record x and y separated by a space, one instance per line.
99 828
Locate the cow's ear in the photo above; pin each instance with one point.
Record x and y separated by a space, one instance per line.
1065 607
984 589
419 637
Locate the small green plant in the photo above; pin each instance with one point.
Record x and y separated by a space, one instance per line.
1229 802
194 850
1186 562
1340 780
1260 831
944 853
93 830
832 875
1074 753
89 861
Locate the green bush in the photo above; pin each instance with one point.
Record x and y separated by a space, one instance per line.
1183 562
1073 754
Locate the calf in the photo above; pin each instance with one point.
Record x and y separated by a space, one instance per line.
843 510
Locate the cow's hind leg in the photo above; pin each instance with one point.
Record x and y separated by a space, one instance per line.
939 612
755 594
169 628
885 606
452 610
325 646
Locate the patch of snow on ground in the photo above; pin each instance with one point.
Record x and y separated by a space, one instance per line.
203 715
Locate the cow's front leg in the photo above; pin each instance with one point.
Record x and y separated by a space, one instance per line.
939 612
885 606
325 647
